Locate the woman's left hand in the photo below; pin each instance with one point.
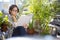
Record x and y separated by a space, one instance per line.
25 25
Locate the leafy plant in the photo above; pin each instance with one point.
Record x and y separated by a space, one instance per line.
57 7
4 19
1 18
31 25
42 11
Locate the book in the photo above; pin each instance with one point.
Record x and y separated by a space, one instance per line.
24 19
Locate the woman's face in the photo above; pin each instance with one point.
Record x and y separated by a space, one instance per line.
14 11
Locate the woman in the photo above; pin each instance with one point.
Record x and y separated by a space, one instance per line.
18 30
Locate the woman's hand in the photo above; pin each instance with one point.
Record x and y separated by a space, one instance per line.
14 18
25 25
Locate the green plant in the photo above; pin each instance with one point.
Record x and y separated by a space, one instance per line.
1 18
57 7
4 19
25 4
31 25
42 11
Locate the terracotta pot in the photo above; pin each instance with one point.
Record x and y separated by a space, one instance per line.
4 28
30 31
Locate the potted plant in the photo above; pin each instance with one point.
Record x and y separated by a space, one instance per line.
43 11
30 29
4 23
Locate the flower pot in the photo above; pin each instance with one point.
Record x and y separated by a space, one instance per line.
30 31
4 28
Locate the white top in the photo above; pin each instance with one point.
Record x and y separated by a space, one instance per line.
11 20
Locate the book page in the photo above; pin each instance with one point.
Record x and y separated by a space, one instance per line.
24 19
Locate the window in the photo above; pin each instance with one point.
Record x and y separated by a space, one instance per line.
6 0
5 4
0 0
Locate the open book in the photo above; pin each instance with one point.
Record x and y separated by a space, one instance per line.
24 19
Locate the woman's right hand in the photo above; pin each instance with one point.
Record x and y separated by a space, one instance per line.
14 18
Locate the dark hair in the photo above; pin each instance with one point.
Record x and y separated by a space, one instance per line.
12 6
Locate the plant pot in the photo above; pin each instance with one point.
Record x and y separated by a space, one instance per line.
4 28
30 31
